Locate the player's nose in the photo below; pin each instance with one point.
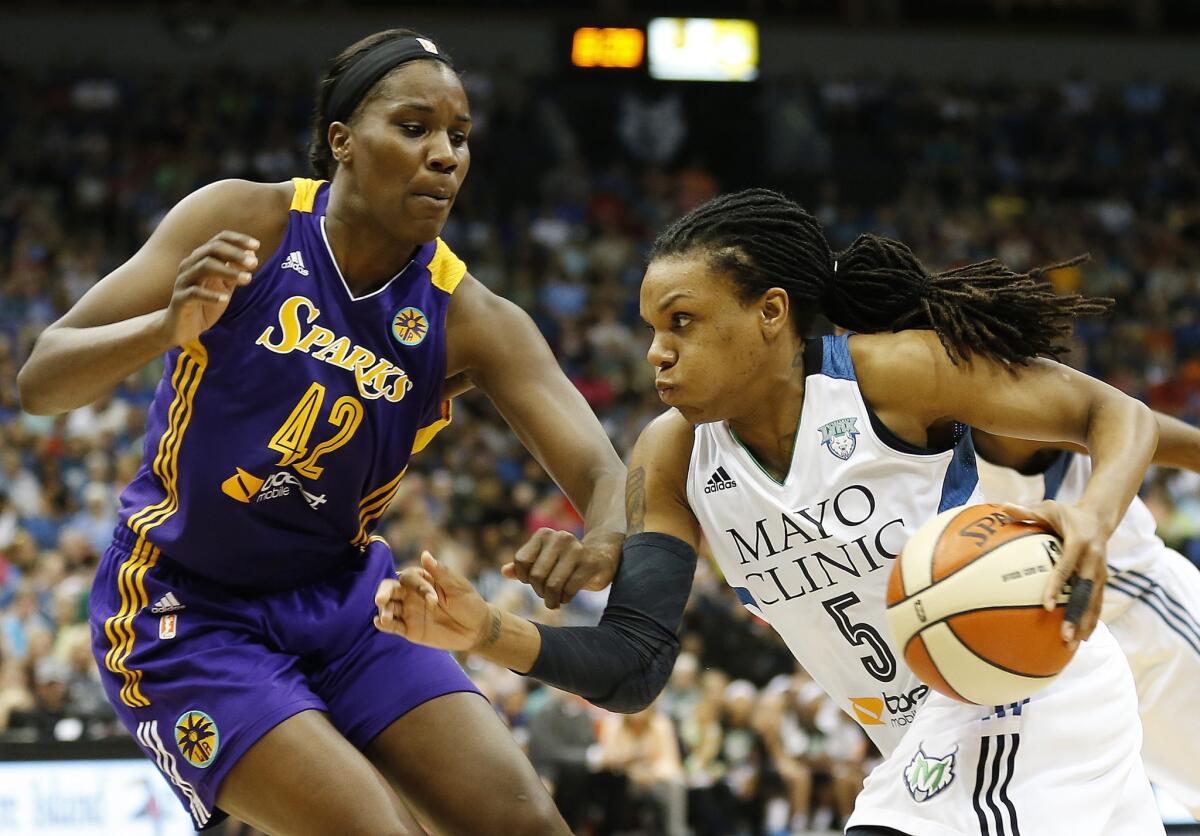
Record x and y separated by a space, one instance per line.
440 154
660 355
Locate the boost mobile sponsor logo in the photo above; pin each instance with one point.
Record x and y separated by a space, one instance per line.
246 487
888 709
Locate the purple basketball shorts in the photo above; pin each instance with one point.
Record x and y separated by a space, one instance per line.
198 672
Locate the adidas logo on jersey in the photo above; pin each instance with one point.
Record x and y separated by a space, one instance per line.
719 481
295 261
167 603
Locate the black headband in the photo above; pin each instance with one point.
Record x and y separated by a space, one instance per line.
373 65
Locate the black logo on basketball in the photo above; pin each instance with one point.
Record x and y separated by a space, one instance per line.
984 528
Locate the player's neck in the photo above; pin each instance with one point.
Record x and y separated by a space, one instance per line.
770 417
366 253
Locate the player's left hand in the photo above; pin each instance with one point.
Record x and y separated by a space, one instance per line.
1082 565
557 565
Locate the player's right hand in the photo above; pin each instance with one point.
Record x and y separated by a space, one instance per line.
205 283
433 605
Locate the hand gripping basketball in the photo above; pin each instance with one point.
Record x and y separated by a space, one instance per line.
1082 569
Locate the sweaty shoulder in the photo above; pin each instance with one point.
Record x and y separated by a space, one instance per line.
257 209
898 375
656 497
483 328
668 440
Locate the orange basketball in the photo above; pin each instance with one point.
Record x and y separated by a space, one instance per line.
964 606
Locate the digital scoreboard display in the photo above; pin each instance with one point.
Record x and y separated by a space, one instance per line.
702 49
608 47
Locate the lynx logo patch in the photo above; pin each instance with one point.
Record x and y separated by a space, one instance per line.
925 777
197 737
840 437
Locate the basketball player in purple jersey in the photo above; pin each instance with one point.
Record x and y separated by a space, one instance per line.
308 328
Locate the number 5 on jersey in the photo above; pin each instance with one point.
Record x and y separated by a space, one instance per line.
882 664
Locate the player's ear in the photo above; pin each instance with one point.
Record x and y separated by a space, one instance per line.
338 137
775 311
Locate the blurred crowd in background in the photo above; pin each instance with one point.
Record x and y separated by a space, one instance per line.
741 742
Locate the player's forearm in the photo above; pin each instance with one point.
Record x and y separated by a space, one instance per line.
1122 438
1178 443
509 640
71 367
604 514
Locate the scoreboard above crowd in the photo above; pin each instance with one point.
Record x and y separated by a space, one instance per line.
672 49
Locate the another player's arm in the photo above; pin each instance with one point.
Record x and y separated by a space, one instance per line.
500 349
172 289
913 385
622 663
1178 446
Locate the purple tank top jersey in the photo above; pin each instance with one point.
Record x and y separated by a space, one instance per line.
276 441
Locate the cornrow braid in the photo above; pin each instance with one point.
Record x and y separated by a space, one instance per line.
762 240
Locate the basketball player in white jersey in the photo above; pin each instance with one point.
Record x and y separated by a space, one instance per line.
806 465
1151 600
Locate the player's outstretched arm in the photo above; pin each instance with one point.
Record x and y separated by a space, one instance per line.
502 352
174 288
913 385
1178 443
1178 446
622 663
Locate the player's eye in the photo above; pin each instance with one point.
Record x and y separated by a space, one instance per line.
681 320
413 128
458 138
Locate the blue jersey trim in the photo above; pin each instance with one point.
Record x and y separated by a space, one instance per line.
835 357
961 476
746 598
1056 472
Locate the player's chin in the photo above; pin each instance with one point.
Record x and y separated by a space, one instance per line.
425 227
693 413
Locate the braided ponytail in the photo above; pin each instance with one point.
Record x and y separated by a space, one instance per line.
982 308
762 240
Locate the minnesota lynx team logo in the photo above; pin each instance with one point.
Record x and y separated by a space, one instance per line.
925 777
841 437
197 737
409 326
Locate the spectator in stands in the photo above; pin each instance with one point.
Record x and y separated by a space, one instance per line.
644 747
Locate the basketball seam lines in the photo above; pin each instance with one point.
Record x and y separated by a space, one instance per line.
933 662
993 662
964 566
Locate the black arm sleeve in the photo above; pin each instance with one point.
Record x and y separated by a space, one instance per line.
623 663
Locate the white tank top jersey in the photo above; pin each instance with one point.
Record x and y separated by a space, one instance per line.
812 556
1134 545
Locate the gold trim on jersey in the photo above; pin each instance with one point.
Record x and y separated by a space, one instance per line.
376 502
426 433
189 369
305 195
373 505
446 269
